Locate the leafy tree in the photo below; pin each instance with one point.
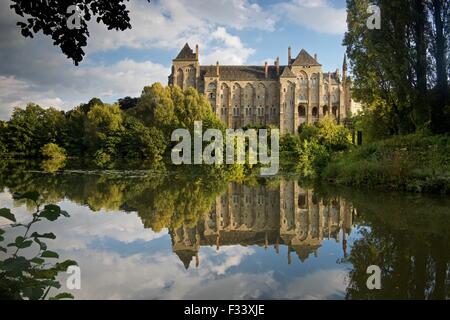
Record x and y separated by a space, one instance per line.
53 151
139 141
393 67
3 149
128 103
104 127
31 128
51 17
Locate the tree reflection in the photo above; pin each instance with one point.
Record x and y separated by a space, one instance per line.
406 235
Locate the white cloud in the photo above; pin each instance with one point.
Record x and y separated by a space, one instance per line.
169 24
317 15
33 70
124 78
226 48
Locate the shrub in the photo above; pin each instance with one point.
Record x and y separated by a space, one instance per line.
53 151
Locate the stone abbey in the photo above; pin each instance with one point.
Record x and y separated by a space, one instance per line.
284 96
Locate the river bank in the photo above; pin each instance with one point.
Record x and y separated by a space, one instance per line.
413 163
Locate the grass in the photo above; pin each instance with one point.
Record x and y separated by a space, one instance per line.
416 163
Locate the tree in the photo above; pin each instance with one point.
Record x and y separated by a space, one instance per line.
128 103
53 151
392 66
3 127
141 142
441 23
103 130
51 17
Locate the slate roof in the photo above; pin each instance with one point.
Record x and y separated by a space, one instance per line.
287 73
242 73
305 59
186 53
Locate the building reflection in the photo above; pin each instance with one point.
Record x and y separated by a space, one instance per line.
266 216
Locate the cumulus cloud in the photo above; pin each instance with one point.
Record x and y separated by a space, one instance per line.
169 24
226 48
317 15
33 70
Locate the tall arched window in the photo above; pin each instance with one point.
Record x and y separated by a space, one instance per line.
315 112
301 111
180 78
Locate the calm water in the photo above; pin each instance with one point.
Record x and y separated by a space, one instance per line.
141 235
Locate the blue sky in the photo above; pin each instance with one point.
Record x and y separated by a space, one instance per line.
118 64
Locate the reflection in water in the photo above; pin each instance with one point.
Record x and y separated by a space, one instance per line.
266 216
317 234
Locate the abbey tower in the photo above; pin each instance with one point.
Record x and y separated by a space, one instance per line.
284 96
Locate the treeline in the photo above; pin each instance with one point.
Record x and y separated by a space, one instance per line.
400 71
141 129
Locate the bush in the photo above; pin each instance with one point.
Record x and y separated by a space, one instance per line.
313 158
53 151
413 162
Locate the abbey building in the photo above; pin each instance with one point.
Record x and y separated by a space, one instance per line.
284 96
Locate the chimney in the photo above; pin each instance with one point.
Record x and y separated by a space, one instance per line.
217 69
196 52
315 56
277 65
289 55
266 70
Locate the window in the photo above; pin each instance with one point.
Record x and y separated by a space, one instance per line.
315 112
302 111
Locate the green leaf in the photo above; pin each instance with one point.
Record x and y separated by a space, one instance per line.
43 235
49 254
63 295
38 261
51 212
44 273
21 243
64 265
6 213
17 264
33 293
42 245
51 283
32 195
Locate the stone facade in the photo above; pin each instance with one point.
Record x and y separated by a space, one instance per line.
284 96
287 215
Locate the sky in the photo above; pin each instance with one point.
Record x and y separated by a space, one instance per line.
119 64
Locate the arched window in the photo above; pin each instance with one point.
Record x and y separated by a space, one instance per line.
335 111
301 200
301 111
180 78
315 112
325 110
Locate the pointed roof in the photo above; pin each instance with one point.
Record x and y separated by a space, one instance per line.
186 53
185 256
305 59
287 73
